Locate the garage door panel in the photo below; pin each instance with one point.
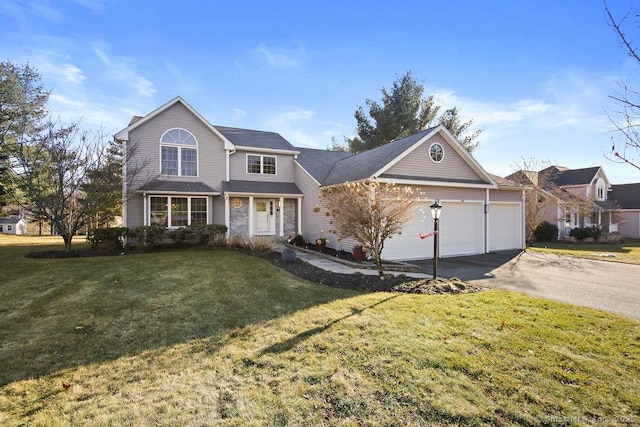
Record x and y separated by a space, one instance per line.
461 232
505 226
461 228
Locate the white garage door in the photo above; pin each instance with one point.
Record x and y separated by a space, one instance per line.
461 232
505 226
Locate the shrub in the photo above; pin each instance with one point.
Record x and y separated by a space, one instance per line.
583 233
546 232
297 240
148 235
261 245
236 241
110 239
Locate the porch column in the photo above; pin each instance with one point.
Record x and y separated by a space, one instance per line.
281 205
145 220
227 215
250 207
299 216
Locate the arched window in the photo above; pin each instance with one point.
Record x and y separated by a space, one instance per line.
178 153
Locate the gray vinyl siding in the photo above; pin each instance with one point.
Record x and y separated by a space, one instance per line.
312 222
238 168
419 163
452 193
135 211
505 195
146 140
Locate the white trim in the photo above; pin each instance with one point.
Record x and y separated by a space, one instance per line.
430 183
227 215
251 216
180 147
281 212
266 150
263 195
299 215
148 197
262 156
441 148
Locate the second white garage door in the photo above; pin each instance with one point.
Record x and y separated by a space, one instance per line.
505 226
461 232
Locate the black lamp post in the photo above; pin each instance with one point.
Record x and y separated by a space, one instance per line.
436 208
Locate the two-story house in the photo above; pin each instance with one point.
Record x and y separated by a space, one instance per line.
572 198
257 183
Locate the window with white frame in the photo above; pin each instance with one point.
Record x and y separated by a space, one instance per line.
177 211
178 153
265 165
600 189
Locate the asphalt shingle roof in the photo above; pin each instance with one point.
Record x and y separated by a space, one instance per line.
574 176
260 187
255 138
177 187
626 195
365 164
320 162
9 220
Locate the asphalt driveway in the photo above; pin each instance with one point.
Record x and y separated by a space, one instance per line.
604 285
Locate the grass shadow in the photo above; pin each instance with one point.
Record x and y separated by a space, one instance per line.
64 313
288 344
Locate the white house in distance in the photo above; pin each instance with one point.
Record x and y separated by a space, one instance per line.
13 225
257 183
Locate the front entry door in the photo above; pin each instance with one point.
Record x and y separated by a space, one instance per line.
264 217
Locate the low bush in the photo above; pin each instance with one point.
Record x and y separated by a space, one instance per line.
148 235
546 232
583 233
110 239
261 245
236 241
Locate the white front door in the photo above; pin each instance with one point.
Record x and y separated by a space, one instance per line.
264 217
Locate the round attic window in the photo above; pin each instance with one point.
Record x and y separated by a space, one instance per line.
436 152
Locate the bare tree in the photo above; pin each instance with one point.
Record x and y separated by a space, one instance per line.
368 212
69 176
627 122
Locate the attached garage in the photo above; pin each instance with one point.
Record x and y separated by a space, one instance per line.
461 232
505 226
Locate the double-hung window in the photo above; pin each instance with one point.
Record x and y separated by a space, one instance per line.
265 165
178 153
177 211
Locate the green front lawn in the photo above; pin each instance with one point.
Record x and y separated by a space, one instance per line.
627 252
221 338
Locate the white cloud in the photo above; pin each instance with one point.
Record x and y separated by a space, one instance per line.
123 69
277 57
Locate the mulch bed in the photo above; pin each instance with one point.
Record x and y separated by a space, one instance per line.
372 283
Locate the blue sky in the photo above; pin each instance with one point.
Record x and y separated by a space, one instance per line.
535 75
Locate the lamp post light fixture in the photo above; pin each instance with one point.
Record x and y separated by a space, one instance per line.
436 208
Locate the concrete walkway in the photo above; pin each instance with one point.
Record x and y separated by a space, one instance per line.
336 267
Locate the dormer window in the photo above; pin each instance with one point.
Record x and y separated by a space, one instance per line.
261 164
178 153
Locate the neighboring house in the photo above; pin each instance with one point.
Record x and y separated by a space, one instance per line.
627 197
257 183
13 225
572 198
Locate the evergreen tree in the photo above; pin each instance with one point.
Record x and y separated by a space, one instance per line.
403 112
